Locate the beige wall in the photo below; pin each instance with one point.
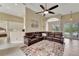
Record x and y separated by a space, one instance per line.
75 17
66 19
12 22
8 17
31 17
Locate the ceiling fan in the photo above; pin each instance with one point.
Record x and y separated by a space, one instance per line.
46 11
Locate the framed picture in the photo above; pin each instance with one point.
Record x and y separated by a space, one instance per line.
34 24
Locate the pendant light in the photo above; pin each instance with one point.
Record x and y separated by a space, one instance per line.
24 21
71 16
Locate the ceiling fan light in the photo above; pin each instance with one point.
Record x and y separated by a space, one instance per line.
46 12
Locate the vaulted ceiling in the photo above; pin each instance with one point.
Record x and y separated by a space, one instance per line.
17 9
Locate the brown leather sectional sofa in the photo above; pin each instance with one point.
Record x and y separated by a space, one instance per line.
3 35
33 37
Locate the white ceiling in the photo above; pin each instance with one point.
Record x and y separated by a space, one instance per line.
18 9
12 8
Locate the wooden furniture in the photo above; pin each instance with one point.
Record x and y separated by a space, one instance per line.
33 37
3 34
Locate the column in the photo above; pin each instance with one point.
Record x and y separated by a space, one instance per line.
8 32
24 20
61 24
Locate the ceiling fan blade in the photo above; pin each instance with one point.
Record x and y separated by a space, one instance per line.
42 7
38 12
53 7
51 12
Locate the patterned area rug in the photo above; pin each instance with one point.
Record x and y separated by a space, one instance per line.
44 48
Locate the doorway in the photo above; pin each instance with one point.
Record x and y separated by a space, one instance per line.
53 24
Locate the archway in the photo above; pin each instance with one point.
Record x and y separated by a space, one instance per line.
53 24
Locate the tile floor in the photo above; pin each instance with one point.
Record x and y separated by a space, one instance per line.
71 47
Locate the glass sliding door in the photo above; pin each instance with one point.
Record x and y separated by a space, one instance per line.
71 30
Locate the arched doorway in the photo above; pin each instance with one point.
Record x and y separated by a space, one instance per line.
53 24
